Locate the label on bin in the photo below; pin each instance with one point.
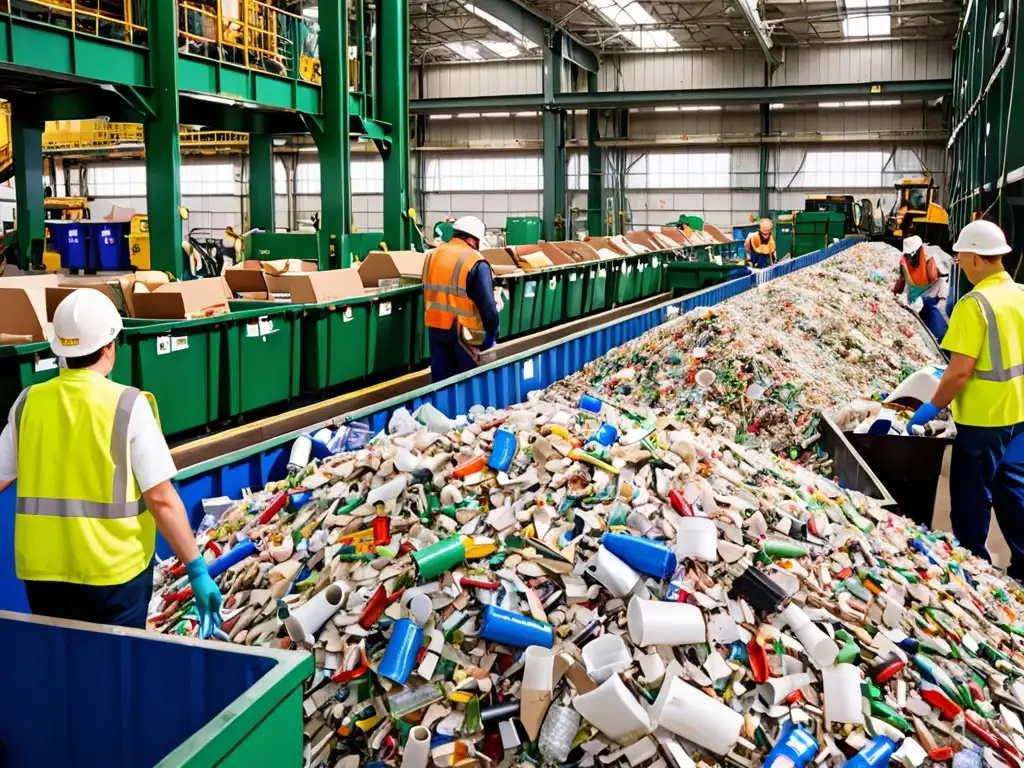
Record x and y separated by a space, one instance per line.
266 326
163 345
346 316
529 289
46 364
178 343
572 278
252 330
527 369
553 283
591 274
654 261
602 273
385 309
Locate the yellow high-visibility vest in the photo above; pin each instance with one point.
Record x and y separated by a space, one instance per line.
994 395
79 511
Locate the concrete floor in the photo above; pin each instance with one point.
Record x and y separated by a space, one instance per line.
996 543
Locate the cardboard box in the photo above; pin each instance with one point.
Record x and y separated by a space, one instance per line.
598 243
55 295
675 235
23 308
577 250
316 287
404 266
287 266
501 261
715 232
247 280
186 300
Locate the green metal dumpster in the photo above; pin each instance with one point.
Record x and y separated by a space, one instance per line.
504 288
553 298
574 289
595 292
686 276
420 335
522 230
263 347
334 337
527 303
178 702
391 329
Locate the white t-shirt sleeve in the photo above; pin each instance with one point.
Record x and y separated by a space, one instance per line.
151 459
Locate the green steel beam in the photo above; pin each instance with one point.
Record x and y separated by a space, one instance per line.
332 137
27 138
553 129
247 87
776 94
163 157
393 108
261 181
540 31
595 164
766 128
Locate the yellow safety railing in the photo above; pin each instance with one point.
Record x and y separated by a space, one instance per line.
89 17
70 135
250 33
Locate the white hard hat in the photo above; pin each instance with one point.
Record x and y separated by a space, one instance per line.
471 225
84 322
983 238
912 244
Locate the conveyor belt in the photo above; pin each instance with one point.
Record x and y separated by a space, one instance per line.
221 443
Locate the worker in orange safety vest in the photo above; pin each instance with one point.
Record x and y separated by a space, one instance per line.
459 308
760 245
924 285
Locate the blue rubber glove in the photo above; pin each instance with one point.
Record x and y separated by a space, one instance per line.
208 599
922 416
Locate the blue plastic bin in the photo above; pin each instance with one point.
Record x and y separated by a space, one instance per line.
82 694
71 241
109 243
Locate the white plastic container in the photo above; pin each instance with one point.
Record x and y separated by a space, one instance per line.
306 620
842 694
614 711
689 712
605 656
658 622
696 538
617 577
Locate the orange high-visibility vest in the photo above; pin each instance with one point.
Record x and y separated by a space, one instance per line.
918 276
759 246
445 299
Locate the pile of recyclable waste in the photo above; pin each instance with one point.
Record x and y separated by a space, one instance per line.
889 413
762 366
560 585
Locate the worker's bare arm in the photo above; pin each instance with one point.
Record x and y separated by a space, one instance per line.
165 505
954 379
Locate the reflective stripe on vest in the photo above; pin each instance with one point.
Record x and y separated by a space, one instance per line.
119 507
995 349
447 299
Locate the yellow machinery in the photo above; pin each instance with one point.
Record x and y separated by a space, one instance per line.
915 211
138 241
6 149
66 208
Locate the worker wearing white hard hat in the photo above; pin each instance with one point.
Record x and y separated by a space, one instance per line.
923 284
93 478
984 384
458 295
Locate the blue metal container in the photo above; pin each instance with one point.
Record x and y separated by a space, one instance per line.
109 244
500 385
71 240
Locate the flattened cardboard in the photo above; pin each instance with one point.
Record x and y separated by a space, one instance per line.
644 238
501 261
675 234
577 250
597 243
317 287
247 280
23 308
405 266
715 232
188 299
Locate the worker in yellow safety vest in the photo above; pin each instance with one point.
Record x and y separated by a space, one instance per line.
984 381
93 478
459 308
760 245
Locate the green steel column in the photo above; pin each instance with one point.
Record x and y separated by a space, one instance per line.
27 138
763 168
333 141
261 181
393 108
163 156
595 164
553 212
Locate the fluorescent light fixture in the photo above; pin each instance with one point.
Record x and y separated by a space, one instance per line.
776 106
701 108
495 114
441 117
467 51
629 13
863 25
859 104
503 48
307 149
522 40
666 109
464 115
526 114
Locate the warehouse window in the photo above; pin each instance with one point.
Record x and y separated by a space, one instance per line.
121 180
578 175
842 169
307 178
874 21
678 170
208 179
280 179
492 173
367 175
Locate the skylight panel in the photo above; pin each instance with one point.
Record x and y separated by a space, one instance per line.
503 48
465 50
863 25
521 39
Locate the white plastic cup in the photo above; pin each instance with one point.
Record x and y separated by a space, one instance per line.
388 491
298 457
605 656
696 538
306 620
658 622
417 748
821 648
705 377
842 694
617 577
614 711
689 712
778 688
535 696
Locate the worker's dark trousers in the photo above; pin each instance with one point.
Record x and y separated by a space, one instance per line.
447 357
933 318
986 474
121 605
